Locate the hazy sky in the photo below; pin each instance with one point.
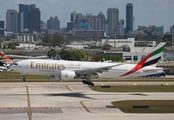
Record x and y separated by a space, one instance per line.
146 12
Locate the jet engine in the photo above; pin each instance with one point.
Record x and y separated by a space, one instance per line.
67 75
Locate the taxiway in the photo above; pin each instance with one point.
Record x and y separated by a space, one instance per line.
70 101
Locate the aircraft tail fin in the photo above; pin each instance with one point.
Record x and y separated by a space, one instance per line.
149 60
5 58
153 57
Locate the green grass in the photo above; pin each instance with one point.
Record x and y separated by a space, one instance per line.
15 75
155 106
135 88
12 76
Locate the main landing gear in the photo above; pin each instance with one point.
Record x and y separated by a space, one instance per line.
86 80
24 79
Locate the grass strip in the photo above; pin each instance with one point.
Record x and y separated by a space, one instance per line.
155 106
12 76
135 88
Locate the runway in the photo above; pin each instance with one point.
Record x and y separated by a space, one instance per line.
71 101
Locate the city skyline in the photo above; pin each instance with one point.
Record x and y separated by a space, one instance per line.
150 12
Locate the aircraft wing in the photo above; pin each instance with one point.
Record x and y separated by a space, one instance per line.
95 70
26 57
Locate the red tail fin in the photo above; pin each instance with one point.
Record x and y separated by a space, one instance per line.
5 58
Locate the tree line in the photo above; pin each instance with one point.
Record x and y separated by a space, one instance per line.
80 55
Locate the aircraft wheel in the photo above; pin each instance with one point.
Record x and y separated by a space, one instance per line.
85 82
92 84
24 79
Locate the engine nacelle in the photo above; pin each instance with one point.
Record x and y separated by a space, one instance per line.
67 75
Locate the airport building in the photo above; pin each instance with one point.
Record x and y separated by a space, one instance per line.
132 51
129 49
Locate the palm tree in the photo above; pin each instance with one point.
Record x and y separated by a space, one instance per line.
51 53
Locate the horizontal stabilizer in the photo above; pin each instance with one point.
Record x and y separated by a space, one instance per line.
151 69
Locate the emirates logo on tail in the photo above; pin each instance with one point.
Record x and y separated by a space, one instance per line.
149 60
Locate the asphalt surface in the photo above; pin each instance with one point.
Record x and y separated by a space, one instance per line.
71 101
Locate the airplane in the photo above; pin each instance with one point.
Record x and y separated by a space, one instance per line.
70 70
6 58
6 61
4 68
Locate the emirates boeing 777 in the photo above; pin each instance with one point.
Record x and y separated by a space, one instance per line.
70 70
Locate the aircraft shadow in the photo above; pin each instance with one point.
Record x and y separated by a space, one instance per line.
76 95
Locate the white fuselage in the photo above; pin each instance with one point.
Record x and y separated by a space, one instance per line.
54 67
116 72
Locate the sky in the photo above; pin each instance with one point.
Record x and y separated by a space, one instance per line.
146 12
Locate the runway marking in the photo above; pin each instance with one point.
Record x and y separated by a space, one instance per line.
68 88
102 84
134 84
13 110
167 84
81 102
29 87
29 107
14 86
44 86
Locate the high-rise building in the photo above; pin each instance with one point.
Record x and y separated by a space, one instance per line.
1 28
129 17
34 20
101 15
75 15
43 25
113 19
11 21
53 23
120 28
20 22
92 22
25 9
70 26
172 29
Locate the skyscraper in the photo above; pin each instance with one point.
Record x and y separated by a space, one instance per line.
75 15
25 9
53 23
129 17
43 25
20 22
1 28
101 15
120 28
113 19
11 21
34 20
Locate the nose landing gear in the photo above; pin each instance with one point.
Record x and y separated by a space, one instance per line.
24 79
